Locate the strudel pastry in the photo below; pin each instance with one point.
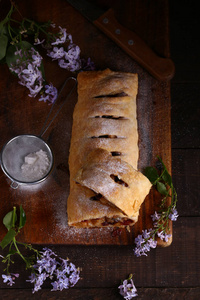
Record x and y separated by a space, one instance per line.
104 118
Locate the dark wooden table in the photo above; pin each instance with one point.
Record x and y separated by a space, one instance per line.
166 273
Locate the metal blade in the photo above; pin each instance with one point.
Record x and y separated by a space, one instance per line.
87 9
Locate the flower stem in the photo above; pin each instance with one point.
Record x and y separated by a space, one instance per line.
18 251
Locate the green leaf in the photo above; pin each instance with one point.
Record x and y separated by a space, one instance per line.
161 188
3 47
3 29
12 252
10 219
3 42
22 219
151 173
10 55
167 177
11 58
42 70
8 238
25 45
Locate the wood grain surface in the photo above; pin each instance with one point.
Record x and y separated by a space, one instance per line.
97 294
45 203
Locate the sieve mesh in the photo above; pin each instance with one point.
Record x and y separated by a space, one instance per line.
14 152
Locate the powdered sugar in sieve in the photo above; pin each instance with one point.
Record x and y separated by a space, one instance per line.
13 155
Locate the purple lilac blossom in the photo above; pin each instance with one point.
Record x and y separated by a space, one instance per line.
37 59
38 42
128 289
68 58
152 243
31 75
28 65
163 236
63 64
144 243
72 56
173 215
63 36
27 70
18 52
155 216
35 90
146 233
10 279
56 53
49 265
87 65
50 94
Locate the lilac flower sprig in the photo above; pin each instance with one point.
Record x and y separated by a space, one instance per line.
42 264
63 273
127 288
23 59
163 183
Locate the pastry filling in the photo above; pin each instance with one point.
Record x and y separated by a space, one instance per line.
96 197
106 222
107 136
121 94
116 153
118 180
111 117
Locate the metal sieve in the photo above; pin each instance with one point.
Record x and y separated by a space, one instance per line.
16 149
13 153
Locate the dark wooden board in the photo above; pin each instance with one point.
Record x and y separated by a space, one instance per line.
45 204
102 294
184 29
186 177
186 115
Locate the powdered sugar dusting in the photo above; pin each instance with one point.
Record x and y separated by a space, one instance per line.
70 232
73 235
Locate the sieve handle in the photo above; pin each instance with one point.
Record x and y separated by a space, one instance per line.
14 185
46 124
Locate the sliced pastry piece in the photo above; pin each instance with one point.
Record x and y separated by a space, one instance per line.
115 179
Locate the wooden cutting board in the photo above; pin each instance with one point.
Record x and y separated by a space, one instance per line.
45 203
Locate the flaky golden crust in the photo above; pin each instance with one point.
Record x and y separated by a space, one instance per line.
104 117
116 180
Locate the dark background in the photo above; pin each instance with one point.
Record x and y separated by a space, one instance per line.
185 46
